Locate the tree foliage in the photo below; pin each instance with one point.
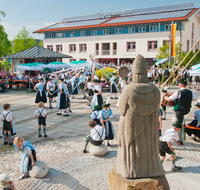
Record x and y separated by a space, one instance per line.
23 41
3 14
163 52
6 65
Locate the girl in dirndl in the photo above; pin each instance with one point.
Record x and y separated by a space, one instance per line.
62 98
113 86
106 115
39 87
97 97
50 90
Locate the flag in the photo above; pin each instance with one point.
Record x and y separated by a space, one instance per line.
173 32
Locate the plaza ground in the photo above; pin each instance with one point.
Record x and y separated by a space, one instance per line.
69 168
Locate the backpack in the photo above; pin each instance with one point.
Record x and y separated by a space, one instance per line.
166 73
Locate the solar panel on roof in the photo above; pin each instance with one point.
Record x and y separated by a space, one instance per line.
127 11
118 12
150 17
78 23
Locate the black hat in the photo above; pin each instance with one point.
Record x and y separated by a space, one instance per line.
177 124
183 81
105 104
164 90
97 108
176 64
167 66
198 104
40 78
89 79
155 66
81 72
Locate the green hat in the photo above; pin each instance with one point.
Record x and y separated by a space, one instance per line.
177 124
97 107
114 73
105 105
155 66
183 81
176 64
167 66
164 90
95 80
89 79
198 104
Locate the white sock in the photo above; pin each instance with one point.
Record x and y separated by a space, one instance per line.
60 111
66 110
110 94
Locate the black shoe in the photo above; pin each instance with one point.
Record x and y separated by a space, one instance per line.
0 136
108 144
66 115
89 105
116 97
64 111
45 135
85 151
59 113
176 168
70 111
163 118
84 97
5 143
10 143
181 142
111 97
39 135
23 177
51 107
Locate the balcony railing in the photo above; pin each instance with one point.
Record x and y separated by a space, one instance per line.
114 52
97 52
105 52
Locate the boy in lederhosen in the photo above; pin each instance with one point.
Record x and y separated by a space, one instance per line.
6 117
50 89
41 115
165 145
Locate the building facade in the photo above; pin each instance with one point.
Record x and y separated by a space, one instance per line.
120 36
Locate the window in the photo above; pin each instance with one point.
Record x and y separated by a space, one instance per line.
152 28
115 48
131 46
97 49
167 26
165 42
152 45
83 48
131 30
118 31
83 59
188 45
105 31
72 48
83 33
93 32
59 35
142 29
50 47
192 30
70 60
72 34
58 48
51 35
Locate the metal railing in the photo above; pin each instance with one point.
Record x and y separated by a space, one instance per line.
114 52
105 52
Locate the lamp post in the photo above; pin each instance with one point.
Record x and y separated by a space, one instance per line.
12 59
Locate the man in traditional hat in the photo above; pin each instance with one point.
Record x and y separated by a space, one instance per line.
182 99
166 74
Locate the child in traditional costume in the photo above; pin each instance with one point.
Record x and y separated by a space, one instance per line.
50 89
83 81
163 102
165 144
106 115
96 114
28 156
56 87
39 87
7 118
63 98
97 97
41 115
90 91
113 86
5 182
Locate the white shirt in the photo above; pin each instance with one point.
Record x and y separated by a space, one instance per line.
97 87
89 85
175 95
39 110
149 74
95 136
95 115
8 117
169 135
50 86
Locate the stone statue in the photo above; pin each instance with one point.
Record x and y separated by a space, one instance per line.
138 139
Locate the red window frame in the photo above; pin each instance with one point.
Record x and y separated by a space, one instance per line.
58 48
73 47
131 44
83 47
152 45
50 47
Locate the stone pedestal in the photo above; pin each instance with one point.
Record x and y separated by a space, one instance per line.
118 182
98 150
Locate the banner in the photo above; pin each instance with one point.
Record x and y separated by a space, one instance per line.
173 32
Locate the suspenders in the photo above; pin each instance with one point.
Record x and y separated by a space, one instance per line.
99 134
40 113
5 116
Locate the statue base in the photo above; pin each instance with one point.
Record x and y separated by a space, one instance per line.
118 182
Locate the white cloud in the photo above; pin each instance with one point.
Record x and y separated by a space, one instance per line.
12 30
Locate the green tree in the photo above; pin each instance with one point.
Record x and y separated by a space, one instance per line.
6 65
23 41
163 52
3 14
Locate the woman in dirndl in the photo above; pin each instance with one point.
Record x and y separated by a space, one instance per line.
74 81
106 115
39 87
97 98
113 86
50 89
62 98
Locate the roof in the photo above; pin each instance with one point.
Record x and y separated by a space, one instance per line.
118 18
36 52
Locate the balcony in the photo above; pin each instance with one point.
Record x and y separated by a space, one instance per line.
114 52
105 52
97 52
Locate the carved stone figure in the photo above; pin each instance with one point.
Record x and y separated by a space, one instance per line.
138 139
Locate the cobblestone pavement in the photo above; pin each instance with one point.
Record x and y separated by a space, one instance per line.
69 168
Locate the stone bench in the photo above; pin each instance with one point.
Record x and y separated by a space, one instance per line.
98 150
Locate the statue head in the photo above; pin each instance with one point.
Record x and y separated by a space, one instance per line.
139 70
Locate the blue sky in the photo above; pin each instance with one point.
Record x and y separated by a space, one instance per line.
37 14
